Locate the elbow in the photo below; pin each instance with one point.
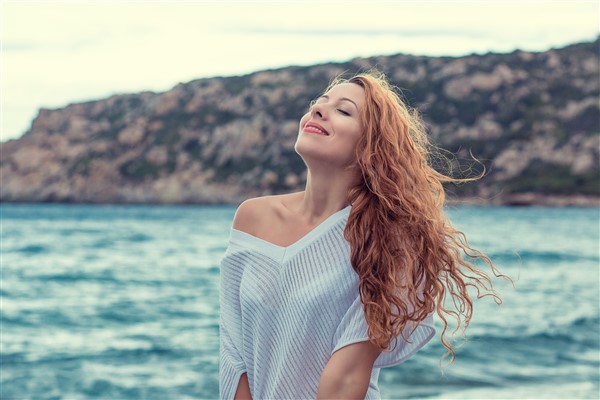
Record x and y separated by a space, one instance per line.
348 372
350 386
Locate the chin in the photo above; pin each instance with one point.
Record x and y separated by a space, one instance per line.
308 151
299 147
314 153
307 146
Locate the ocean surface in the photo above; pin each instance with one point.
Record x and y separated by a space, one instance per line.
121 302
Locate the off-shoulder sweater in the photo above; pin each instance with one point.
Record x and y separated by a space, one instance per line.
286 310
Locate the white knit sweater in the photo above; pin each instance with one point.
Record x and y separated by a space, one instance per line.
286 310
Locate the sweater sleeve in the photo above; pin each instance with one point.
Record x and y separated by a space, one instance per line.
354 328
231 363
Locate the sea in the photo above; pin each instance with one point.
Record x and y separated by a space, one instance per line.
122 302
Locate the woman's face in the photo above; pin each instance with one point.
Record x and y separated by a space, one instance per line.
330 130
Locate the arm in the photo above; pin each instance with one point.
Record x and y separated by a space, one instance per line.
233 378
243 389
348 372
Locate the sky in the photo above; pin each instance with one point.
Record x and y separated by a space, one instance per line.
54 53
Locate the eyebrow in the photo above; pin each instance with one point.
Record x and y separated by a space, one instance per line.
342 98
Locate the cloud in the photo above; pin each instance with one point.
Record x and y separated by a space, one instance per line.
359 32
55 53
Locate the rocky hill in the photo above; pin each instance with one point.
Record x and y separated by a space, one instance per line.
532 118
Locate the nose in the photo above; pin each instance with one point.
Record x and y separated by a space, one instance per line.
319 110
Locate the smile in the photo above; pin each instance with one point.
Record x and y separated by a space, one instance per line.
312 127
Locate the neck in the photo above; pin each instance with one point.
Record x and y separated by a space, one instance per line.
326 192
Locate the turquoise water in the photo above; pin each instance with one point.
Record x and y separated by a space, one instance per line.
121 302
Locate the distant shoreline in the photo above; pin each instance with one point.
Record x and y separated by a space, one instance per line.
529 199
525 119
510 200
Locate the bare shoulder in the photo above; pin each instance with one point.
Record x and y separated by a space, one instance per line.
249 213
254 214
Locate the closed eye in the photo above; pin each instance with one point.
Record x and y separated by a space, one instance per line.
344 112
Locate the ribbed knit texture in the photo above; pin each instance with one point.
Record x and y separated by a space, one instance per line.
286 310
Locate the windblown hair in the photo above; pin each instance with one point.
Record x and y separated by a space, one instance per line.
407 254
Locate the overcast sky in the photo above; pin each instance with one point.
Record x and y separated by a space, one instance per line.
60 52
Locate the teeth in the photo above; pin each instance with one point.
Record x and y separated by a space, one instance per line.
316 130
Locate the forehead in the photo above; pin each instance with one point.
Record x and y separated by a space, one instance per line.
349 90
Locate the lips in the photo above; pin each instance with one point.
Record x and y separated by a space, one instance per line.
313 127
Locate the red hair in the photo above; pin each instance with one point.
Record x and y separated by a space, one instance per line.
403 247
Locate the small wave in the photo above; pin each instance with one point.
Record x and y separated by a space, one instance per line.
583 331
79 231
138 237
16 321
76 277
586 322
103 243
18 357
140 354
101 388
213 270
544 256
564 390
33 249
542 340
124 313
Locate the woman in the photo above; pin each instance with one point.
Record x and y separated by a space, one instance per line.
322 288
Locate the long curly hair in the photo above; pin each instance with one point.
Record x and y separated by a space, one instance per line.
403 247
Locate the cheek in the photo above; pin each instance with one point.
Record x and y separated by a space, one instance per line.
352 132
304 120
352 138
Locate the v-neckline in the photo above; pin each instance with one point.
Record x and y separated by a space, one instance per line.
285 252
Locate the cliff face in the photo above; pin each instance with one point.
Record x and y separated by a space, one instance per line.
532 118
